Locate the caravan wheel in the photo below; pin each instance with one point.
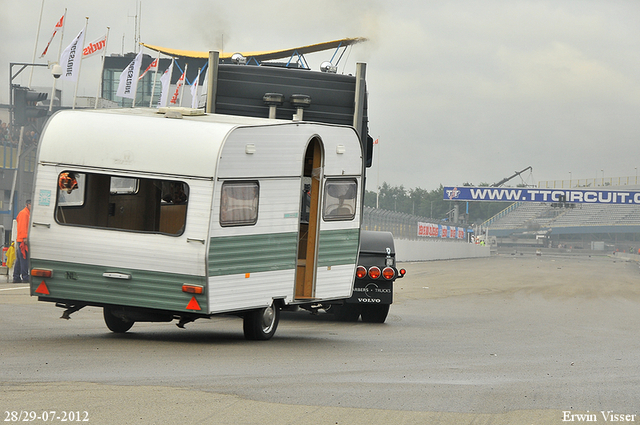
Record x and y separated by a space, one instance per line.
115 323
261 325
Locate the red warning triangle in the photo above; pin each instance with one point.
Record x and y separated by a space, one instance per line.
42 289
193 304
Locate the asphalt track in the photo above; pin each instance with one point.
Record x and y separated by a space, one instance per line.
511 339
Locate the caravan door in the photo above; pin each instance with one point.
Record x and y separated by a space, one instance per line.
309 221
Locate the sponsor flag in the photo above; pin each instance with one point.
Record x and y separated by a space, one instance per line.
202 99
194 91
153 66
58 26
165 80
179 84
70 58
129 78
95 47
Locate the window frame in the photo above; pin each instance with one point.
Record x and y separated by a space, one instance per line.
239 223
335 217
83 181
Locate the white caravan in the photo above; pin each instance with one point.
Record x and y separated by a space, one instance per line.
161 216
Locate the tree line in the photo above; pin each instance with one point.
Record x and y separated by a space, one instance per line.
431 203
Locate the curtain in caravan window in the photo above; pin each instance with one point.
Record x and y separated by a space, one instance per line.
239 203
340 199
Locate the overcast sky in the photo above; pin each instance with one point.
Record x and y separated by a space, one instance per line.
459 91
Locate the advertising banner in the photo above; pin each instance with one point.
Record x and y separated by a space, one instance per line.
432 230
580 196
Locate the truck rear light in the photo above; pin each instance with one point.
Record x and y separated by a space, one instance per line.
361 272
41 272
402 272
374 272
192 289
388 273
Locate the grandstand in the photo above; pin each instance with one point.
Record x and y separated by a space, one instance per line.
579 225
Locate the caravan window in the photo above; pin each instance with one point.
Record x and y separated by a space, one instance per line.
115 202
71 189
239 203
340 199
123 185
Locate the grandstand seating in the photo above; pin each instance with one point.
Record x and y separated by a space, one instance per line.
544 215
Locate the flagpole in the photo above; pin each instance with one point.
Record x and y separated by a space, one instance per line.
55 80
35 47
84 37
186 65
135 92
106 41
155 78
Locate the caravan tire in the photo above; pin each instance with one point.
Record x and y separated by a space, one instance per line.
261 325
115 323
375 313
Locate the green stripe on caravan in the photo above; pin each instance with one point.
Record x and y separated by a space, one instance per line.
252 253
146 288
338 247
278 251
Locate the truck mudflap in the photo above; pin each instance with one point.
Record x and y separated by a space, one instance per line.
373 286
371 293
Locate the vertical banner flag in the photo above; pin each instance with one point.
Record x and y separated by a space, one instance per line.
70 58
202 99
194 91
153 66
95 47
55 31
129 78
174 98
165 80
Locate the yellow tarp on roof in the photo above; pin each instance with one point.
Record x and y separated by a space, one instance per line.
260 56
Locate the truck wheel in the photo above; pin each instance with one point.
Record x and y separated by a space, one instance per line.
375 313
346 312
261 325
115 323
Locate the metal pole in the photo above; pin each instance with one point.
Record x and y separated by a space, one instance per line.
84 37
53 89
212 82
15 174
35 46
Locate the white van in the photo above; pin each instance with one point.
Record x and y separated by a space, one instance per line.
160 216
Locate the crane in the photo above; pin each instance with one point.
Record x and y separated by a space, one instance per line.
506 179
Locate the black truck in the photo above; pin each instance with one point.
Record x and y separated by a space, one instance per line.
373 285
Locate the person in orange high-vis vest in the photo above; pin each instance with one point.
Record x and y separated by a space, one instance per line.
21 268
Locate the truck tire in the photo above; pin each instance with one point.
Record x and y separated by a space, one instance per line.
346 312
115 323
375 313
261 324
